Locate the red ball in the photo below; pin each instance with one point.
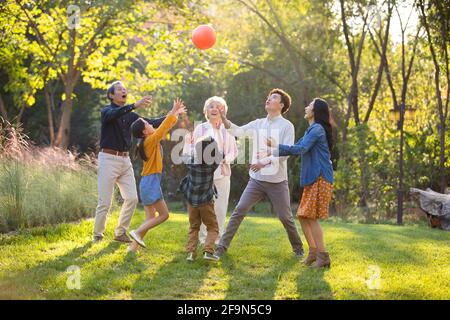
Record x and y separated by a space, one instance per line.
204 37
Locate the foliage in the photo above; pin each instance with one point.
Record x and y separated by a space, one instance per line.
296 45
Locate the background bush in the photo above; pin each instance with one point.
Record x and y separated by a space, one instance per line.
40 186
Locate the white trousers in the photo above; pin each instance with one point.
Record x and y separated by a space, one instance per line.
111 170
220 207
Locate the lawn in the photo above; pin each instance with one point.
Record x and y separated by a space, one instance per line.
368 262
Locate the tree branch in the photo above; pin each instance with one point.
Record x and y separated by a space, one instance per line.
41 41
287 44
381 66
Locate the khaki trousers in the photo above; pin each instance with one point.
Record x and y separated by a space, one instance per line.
115 170
198 215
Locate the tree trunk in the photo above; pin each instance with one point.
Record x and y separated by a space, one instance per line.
364 195
4 112
364 176
354 92
51 127
347 121
19 116
443 182
63 137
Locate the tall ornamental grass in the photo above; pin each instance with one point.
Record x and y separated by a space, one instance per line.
41 186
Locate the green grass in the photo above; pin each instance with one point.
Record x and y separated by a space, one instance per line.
413 263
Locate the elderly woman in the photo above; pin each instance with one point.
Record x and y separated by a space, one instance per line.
214 128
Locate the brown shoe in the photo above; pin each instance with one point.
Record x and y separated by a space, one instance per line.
123 238
323 260
312 256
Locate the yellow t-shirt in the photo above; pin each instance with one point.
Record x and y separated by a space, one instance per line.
152 148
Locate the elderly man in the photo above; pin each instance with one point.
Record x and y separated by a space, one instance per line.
114 164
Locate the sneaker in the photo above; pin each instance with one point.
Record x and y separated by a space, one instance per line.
219 251
97 238
190 257
210 256
138 239
123 238
299 254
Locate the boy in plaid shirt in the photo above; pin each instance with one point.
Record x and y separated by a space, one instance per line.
199 191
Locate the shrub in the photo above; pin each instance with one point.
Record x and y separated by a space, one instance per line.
40 186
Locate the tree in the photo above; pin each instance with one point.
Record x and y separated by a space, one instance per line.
435 18
406 69
355 45
21 82
65 38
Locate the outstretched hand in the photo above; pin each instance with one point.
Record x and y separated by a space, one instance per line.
178 107
223 115
270 142
222 111
144 102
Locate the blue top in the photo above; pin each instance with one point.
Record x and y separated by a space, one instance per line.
313 148
116 123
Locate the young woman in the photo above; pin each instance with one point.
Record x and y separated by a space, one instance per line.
149 149
316 176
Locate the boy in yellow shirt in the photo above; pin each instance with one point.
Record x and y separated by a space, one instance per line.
149 149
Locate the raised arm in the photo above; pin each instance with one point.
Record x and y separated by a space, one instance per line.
163 129
237 131
155 122
242 131
287 139
111 113
169 121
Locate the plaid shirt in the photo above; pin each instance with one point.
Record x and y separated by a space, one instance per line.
198 185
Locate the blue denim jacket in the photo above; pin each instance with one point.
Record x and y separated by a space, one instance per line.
313 148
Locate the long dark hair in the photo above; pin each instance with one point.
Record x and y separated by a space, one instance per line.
322 116
137 129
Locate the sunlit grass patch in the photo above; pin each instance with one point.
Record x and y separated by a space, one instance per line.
368 262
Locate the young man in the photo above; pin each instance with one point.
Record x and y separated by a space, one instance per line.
268 175
114 165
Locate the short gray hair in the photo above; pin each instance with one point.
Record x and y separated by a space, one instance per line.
112 88
211 100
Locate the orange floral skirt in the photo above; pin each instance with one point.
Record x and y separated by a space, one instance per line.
315 200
